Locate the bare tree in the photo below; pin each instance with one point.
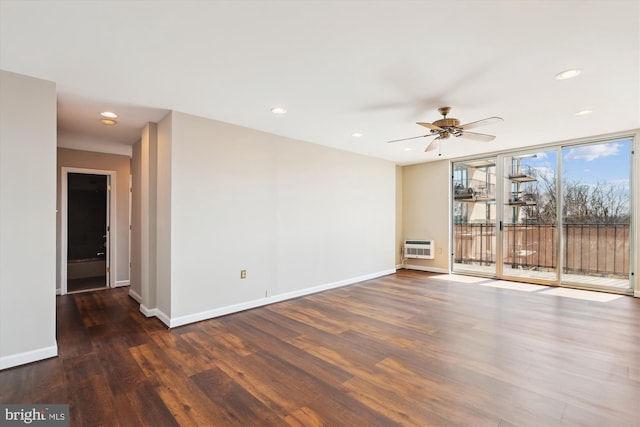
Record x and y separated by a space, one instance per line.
602 203
544 192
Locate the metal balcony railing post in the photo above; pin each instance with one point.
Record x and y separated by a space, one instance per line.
615 246
566 248
553 245
581 251
481 239
598 247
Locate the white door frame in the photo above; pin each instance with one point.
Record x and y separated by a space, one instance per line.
111 215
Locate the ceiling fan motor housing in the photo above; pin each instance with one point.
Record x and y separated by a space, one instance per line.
445 123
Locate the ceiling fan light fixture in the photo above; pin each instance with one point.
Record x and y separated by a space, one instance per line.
108 122
568 74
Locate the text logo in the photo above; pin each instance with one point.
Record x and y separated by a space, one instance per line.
34 415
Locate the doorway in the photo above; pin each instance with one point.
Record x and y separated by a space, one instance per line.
87 249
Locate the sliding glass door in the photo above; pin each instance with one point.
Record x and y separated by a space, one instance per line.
559 216
596 201
529 220
474 216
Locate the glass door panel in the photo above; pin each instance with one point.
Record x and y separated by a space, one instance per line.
474 216
529 217
563 215
596 200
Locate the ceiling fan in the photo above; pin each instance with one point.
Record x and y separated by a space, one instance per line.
448 127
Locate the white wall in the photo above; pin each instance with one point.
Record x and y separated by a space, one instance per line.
335 215
27 219
84 143
297 216
163 209
399 214
143 220
426 202
136 222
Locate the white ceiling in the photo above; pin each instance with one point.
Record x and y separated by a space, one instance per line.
338 67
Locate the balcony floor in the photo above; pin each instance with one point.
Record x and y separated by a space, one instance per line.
604 283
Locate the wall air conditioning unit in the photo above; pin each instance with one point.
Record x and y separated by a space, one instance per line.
423 249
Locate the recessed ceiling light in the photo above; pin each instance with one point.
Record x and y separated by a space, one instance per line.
108 122
278 110
583 112
109 114
568 74
407 149
356 134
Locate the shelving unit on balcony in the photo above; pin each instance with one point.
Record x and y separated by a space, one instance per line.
475 191
521 195
523 174
522 198
474 195
472 189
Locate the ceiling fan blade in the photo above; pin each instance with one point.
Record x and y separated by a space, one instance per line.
477 136
483 122
434 145
430 126
413 137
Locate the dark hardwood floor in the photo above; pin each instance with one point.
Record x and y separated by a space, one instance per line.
406 349
86 284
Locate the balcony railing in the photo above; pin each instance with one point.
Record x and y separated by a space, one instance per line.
589 249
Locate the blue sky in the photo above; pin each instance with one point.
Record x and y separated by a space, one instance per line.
606 162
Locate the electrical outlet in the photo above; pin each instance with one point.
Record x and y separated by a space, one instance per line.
243 274
439 251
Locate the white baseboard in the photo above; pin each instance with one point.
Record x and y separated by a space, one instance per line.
163 317
133 294
222 311
148 312
156 312
424 268
10 361
636 294
58 291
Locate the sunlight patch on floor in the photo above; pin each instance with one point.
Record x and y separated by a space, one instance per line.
528 287
460 279
503 284
580 294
